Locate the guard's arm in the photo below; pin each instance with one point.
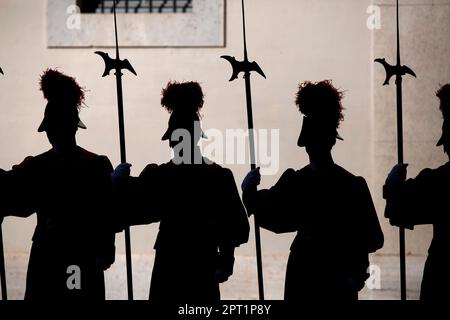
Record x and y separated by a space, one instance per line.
18 188
273 207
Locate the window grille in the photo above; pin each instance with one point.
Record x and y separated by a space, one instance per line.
135 6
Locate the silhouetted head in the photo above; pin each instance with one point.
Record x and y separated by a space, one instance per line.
320 104
444 96
61 119
183 101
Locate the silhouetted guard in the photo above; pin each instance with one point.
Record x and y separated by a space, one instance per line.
399 71
247 67
117 65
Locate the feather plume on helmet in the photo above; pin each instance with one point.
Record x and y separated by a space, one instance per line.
320 103
183 100
65 98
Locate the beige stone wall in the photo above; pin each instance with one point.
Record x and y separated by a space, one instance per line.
292 40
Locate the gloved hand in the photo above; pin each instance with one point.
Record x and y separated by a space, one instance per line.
397 175
121 171
251 180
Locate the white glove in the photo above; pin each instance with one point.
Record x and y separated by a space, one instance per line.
397 174
121 171
251 180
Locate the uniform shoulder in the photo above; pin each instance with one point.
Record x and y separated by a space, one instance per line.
31 161
213 166
440 170
350 177
290 175
216 171
91 156
86 154
219 171
292 172
27 162
345 173
431 175
151 168
428 172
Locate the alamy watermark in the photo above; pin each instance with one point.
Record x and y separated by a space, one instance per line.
74 279
374 19
73 21
374 280
230 147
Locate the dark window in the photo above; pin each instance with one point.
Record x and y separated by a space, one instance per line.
135 6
